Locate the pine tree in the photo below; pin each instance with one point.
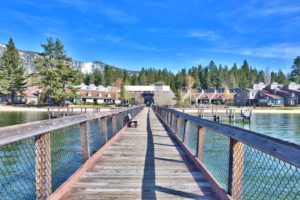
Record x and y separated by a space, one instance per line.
12 73
109 75
55 72
295 74
281 78
98 77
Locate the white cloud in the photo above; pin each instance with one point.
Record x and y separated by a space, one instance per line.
277 51
144 47
118 15
279 10
111 38
81 5
203 35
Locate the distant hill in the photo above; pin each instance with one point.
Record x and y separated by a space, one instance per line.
29 57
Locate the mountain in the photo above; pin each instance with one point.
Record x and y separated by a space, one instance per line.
29 57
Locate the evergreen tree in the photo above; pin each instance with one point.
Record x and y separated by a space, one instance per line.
55 73
142 78
109 75
232 81
295 74
87 79
98 77
281 78
12 73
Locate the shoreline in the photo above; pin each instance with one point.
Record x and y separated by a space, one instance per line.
8 108
259 111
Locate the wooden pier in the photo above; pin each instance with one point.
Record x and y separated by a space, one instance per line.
145 163
218 114
170 155
231 115
56 112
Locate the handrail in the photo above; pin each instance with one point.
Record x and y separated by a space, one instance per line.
18 132
46 153
252 165
286 151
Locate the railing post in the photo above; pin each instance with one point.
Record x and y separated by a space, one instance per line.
84 138
186 134
177 125
43 166
123 118
103 130
201 143
171 121
236 165
113 123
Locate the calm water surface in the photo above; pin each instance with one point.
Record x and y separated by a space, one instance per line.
282 126
12 118
17 163
18 177
264 176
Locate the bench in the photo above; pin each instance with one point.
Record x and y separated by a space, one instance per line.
130 121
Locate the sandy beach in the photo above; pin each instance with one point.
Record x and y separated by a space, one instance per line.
254 110
7 108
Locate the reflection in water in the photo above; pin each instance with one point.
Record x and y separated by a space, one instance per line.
12 118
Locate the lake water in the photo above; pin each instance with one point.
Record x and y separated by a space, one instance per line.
18 168
282 126
17 160
264 176
12 118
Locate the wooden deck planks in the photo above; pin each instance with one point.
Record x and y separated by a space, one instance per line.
145 164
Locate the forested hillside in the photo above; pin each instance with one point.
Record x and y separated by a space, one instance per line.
205 76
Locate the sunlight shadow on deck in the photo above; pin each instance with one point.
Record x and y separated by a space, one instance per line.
186 161
169 145
148 184
177 192
169 160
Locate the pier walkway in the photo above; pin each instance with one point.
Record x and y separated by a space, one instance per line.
146 163
170 155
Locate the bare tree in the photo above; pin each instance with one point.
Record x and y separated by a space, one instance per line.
227 95
117 86
267 76
190 81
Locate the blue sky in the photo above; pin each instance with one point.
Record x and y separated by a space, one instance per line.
173 33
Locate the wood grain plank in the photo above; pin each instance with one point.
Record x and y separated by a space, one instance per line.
145 164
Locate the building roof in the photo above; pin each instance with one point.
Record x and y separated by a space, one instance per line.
285 93
32 92
220 96
95 94
252 90
207 95
268 94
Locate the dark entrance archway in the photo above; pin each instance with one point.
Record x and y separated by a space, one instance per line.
148 98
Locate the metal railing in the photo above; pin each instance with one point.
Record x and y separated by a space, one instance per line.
242 164
36 158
